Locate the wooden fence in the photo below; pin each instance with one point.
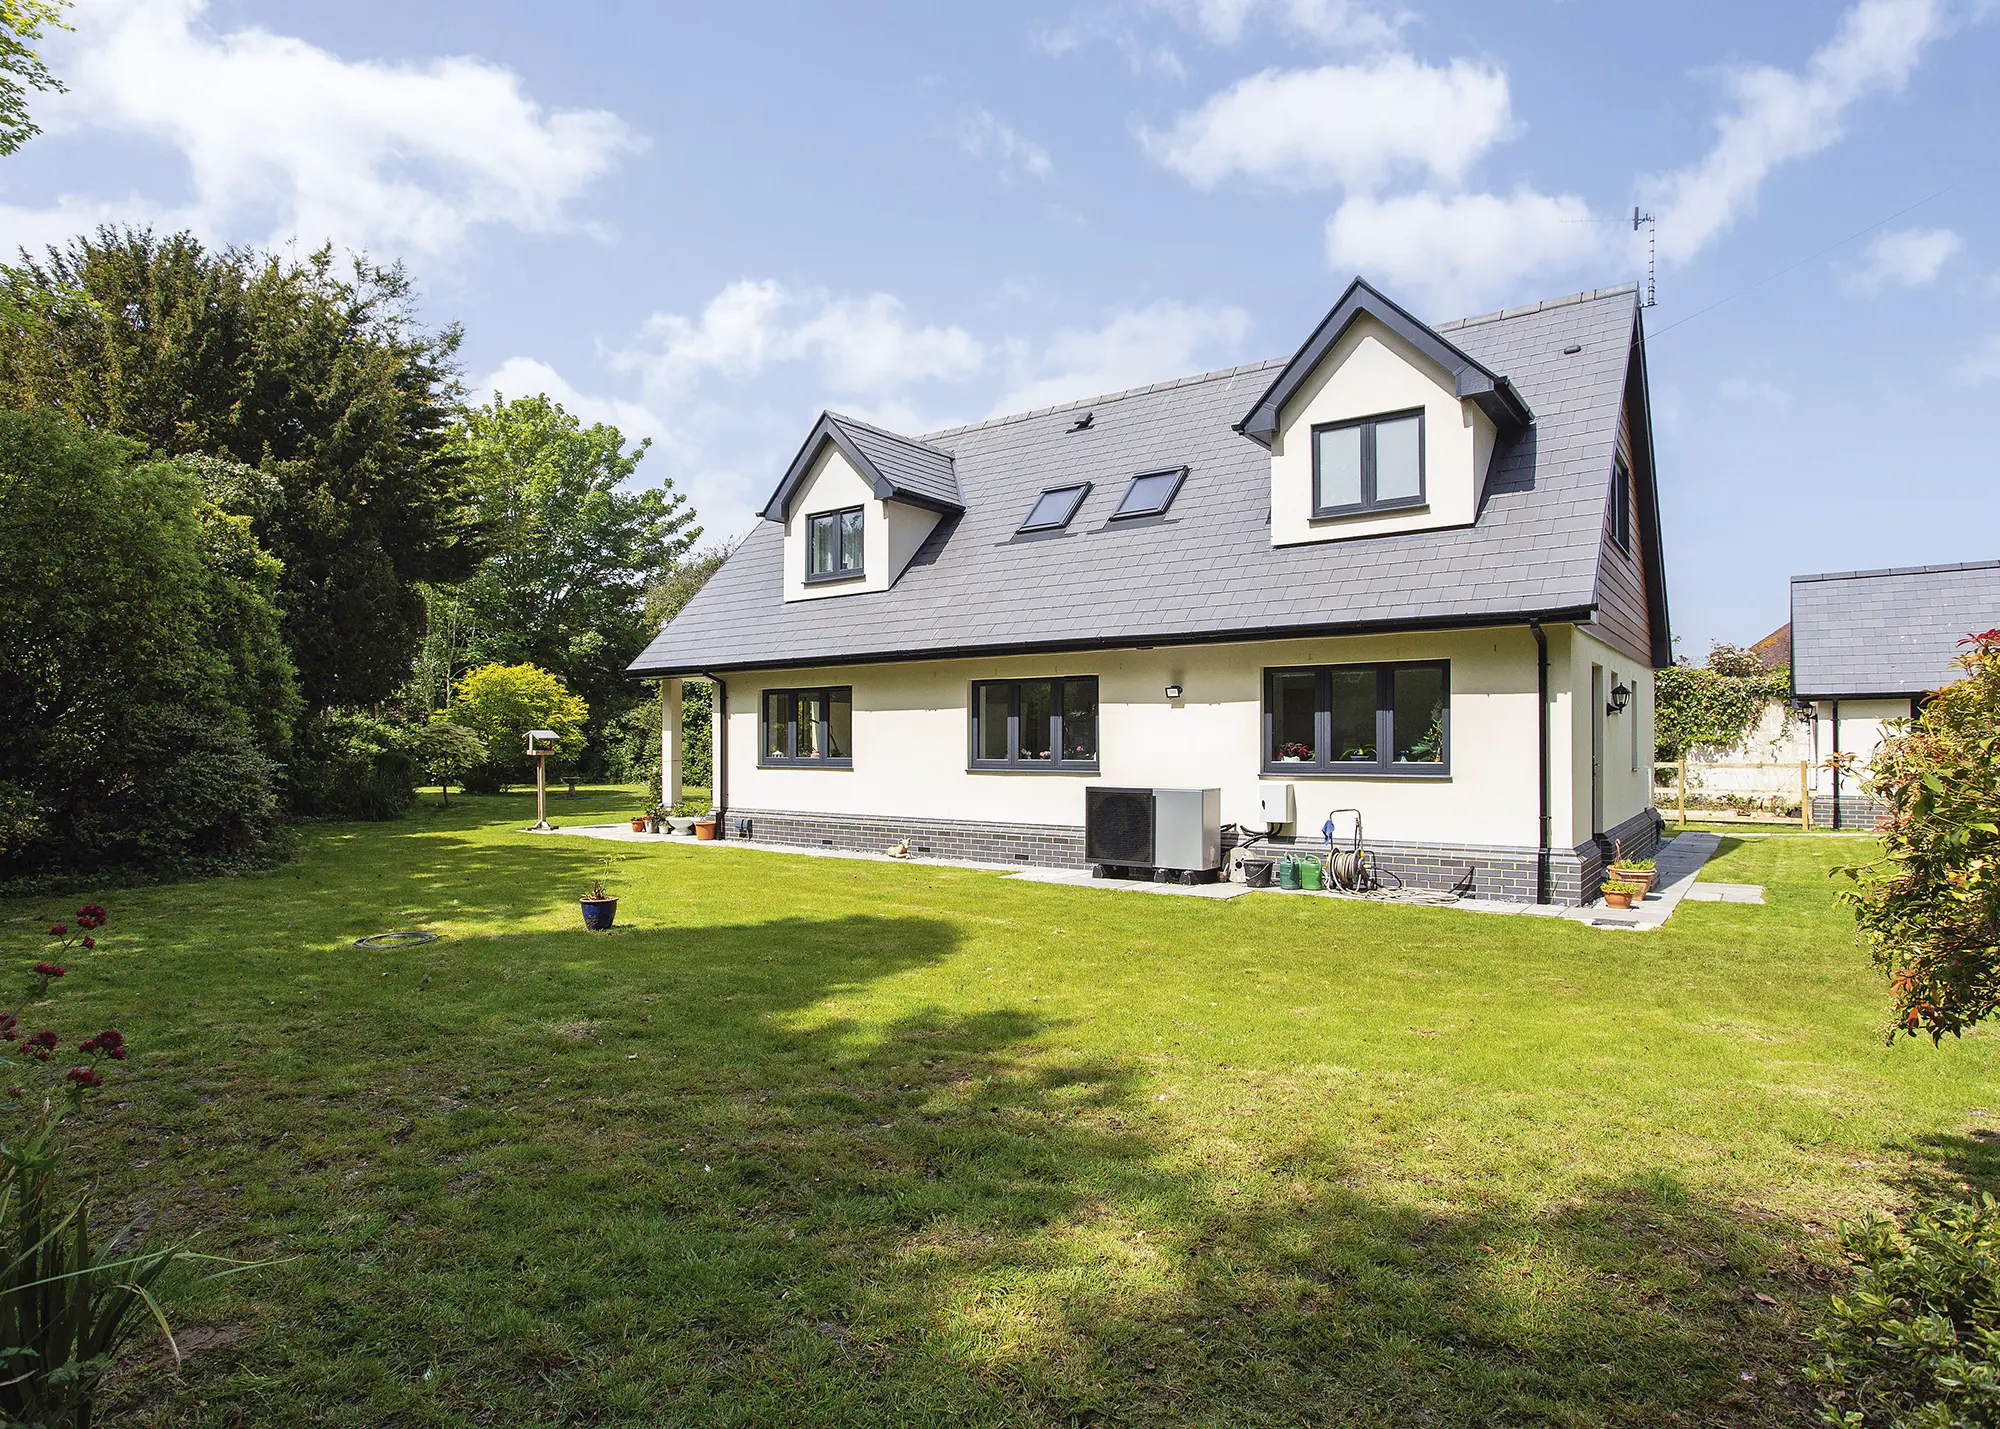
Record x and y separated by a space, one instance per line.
1680 768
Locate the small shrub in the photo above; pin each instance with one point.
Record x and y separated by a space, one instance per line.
1915 1344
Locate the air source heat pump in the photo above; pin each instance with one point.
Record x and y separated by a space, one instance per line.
1171 835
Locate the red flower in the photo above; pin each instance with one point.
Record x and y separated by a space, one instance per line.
110 1042
56 930
89 942
39 1046
84 1077
49 970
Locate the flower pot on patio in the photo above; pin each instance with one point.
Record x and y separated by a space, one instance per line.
680 826
599 913
1622 895
704 829
1642 879
638 826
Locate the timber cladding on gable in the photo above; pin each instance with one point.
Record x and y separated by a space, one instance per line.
1623 621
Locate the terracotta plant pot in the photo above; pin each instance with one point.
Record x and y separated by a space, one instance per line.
704 829
1615 897
1643 878
638 826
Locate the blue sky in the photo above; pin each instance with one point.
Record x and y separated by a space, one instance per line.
705 223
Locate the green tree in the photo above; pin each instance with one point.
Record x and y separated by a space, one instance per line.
321 381
501 703
145 690
571 549
447 752
22 25
1929 908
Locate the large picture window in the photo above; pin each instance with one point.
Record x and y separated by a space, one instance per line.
1371 464
1366 720
1035 724
809 729
833 545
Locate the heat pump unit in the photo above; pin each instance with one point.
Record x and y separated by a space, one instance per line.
1173 835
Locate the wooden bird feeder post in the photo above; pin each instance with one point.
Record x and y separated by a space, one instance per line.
541 744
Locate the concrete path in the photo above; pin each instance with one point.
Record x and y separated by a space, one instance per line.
1678 861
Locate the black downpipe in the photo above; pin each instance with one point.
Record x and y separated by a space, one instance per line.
718 757
1542 760
1836 764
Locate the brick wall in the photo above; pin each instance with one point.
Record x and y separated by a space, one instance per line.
1857 811
1575 875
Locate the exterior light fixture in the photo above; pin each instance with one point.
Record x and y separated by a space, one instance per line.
1619 695
1173 692
541 744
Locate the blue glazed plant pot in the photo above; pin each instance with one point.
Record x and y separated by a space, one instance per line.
598 913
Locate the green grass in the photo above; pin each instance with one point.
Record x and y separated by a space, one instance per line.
811 1142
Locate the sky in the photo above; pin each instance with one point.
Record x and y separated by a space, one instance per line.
705 223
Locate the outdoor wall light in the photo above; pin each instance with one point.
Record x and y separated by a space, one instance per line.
1173 692
1619 695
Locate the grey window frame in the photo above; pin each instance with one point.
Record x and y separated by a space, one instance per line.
1621 504
1383 767
1029 526
791 697
1014 763
1178 473
1368 503
839 545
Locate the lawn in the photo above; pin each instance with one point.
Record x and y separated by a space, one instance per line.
817 1142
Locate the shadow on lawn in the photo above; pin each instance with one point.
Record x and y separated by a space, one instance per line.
659 1177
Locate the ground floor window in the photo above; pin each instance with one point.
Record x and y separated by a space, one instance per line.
1371 720
813 729
1035 724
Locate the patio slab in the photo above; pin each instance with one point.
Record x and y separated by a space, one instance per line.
1726 893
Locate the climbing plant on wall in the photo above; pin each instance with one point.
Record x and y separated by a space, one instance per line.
1704 708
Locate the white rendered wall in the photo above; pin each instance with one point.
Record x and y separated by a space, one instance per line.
1628 736
911 734
1369 371
1863 725
890 534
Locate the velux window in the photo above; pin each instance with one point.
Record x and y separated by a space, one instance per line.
1150 493
1373 464
833 545
1035 724
1055 507
1370 720
809 729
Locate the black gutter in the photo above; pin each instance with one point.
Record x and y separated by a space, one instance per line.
718 754
1542 827
1575 615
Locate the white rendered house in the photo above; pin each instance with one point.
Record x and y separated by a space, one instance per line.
1412 570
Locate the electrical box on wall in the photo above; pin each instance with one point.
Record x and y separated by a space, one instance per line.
1274 804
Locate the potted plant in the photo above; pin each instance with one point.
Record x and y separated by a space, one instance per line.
1632 870
639 824
704 827
600 909
656 822
1623 895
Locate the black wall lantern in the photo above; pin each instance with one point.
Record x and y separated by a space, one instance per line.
1619 695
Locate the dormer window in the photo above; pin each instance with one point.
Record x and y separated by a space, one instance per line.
1055 507
1150 493
1368 464
833 545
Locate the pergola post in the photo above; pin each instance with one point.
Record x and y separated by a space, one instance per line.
670 742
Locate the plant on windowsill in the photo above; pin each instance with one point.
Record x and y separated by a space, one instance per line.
1294 754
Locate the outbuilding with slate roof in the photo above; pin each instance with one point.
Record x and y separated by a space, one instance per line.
1867 646
1413 570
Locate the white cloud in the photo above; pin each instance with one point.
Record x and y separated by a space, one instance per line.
1355 125
1130 349
860 345
983 136
282 138
528 376
1456 253
1981 365
1755 389
1331 22
1906 258
1779 116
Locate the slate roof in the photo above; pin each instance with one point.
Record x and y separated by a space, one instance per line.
896 467
1206 569
1891 632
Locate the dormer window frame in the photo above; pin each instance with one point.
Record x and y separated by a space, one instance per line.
841 536
1081 490
1178 475
1370 504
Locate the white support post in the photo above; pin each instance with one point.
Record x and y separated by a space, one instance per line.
670 742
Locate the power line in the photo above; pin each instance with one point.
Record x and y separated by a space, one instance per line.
1794 267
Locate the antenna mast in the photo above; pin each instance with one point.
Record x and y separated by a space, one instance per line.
1652 249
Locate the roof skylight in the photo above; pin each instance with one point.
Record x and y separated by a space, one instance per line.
1151 492
1054 507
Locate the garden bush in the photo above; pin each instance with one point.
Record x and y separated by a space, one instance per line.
500 704
349 764
1915 1344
